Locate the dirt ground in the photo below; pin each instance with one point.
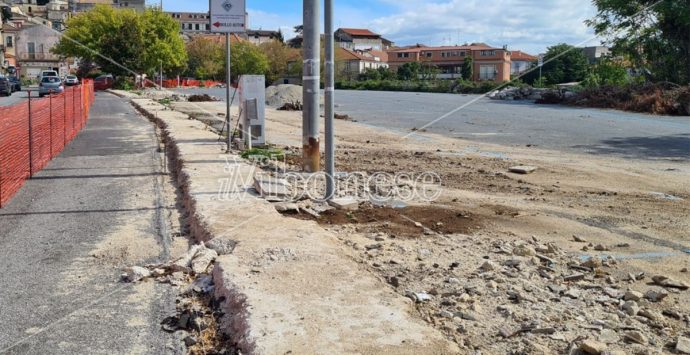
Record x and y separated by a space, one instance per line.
522 264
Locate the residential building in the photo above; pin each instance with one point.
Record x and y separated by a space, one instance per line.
9 40
138 5
361 39
594 54
490 63
33 44
192 23
76 6
259 37
521 62
351 63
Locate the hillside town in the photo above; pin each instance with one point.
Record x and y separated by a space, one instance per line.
344 177
30 31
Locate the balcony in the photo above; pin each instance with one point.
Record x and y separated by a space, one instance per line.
50 57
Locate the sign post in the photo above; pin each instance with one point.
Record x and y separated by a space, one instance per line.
228 16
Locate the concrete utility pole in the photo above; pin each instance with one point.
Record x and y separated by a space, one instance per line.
228 119
330 103
311 79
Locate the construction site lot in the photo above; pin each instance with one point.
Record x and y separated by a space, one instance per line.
587 254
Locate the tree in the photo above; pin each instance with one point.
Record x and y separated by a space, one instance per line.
409 71
247 59
122 41
653 34
206 58
468 68
564 63
370 74
386 73
279 56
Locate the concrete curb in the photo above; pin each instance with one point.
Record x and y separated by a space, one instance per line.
308 297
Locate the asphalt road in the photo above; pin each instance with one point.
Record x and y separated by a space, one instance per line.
13 99
593 131
55 297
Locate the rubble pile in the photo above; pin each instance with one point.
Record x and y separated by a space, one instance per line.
195 320
505 295
515 93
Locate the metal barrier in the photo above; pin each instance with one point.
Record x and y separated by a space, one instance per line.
36 130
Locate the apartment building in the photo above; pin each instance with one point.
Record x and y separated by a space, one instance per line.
33 44
361 39
490 63
351 63
76 6
192 23
259 37
521 62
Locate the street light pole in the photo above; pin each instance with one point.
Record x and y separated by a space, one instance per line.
311 80
330 102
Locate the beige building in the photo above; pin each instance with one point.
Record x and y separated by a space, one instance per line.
33 44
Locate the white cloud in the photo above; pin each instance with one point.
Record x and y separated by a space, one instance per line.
529 25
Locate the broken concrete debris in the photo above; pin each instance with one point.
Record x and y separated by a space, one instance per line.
523 169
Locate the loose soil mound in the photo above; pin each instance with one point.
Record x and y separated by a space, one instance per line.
278 96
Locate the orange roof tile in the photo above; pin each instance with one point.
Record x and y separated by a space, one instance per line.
359 32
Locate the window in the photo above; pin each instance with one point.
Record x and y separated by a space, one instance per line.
490 53
427 54
403 55
487 72
9 42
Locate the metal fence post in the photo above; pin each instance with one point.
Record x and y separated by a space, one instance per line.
74 112
50 122
31 143
64 119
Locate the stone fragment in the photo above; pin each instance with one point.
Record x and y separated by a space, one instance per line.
190 340
524 250
574 277
592 347
202 259
572 293
636 337
284 207
683 345
269 186
488 266
592 263
346 204
613 293
632 296
222 246
649 314
608 336
631 308
418 297
656 295
668 282
523 169
579 239
601 247
135 274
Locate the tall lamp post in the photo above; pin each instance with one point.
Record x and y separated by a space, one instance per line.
330 99
311 87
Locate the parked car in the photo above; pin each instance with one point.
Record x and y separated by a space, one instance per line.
50 85
49 73
71 80
5 86
16 83
103 82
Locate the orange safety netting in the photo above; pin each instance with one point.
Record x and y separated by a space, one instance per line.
35 131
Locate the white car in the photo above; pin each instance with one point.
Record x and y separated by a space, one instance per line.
47 73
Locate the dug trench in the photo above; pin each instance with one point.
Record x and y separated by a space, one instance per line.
197 321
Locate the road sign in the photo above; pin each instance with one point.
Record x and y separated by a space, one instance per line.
228 16
541 60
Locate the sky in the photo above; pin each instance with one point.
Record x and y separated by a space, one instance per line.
528 25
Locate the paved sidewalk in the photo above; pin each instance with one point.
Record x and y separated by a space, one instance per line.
290 286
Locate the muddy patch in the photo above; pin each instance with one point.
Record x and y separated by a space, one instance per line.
409 222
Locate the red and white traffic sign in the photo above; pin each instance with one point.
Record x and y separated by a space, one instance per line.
228 16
